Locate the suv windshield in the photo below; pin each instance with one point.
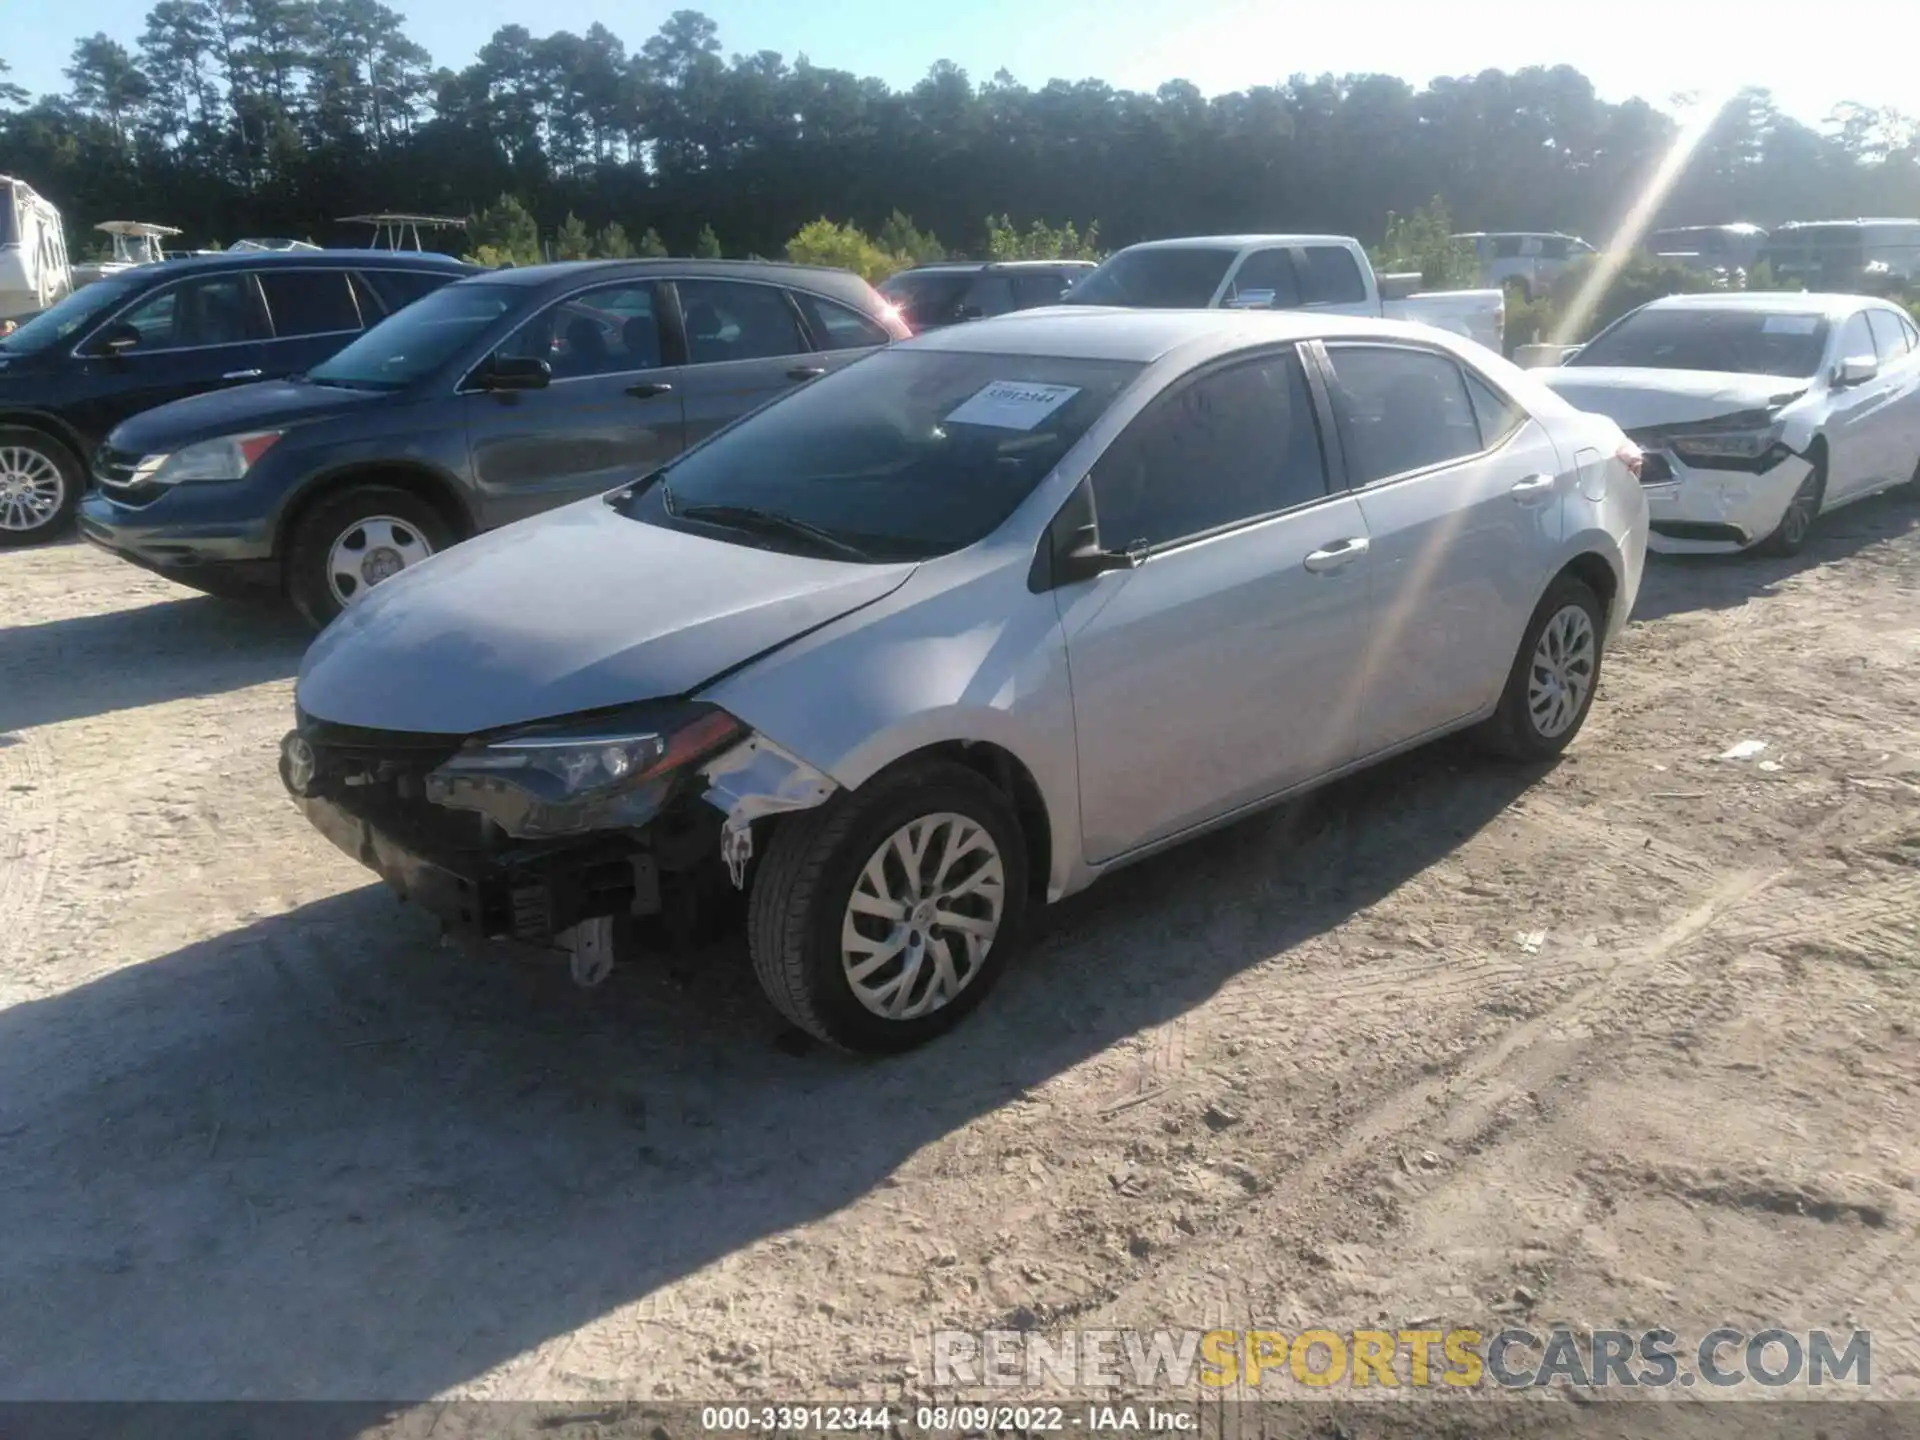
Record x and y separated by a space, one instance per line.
1734 342
901 456
78 311
927 295
1183 278
420 339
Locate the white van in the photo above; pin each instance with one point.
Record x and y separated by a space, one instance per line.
1841 255
33 252
1532 259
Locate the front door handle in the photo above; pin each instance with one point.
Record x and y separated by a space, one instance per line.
647 389
1336 555
242 375
806 372
1534 487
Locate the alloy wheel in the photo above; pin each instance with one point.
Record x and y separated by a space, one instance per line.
1562 671
31 489
370 551
1801 511
922 916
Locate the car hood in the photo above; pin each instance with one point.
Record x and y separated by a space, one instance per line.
574 610
1635 399
267 405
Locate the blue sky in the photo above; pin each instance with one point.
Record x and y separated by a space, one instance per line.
1628 47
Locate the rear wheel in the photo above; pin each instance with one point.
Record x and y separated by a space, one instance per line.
353 541
879 920
1554 675
40 486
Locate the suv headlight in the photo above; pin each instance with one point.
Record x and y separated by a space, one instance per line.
228 458
564 778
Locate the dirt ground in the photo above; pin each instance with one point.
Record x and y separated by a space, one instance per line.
1631 1040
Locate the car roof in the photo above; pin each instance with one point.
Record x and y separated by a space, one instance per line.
1238 242
566 274
968 267
299 259
1772 302
1089 332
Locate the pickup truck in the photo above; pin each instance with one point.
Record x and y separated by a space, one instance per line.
1329 273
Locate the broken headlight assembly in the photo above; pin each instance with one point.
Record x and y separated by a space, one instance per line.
603 772
1745 447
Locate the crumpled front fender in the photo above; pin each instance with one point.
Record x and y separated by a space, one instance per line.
751 781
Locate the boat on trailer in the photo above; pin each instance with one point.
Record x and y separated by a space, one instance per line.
402 232
135 243
34 272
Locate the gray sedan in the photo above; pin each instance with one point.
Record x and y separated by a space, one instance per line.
954 631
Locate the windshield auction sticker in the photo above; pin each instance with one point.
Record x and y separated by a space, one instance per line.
1012 404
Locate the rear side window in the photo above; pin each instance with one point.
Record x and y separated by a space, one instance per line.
1912 333
1508 247
1265 280
1400 410
728 320
1035 288
310 302
1498 416
1889 341
1554 247
990 295
398 289
835 327
1332 277
1234 444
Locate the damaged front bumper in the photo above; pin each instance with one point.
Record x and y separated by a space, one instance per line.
1695 509
470 856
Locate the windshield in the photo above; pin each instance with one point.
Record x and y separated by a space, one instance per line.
927 294
1184 278
420 339
1733 342
77 312
901 456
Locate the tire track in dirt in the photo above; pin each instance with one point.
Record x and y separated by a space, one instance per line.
29 837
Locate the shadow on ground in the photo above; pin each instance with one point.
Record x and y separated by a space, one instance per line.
1676 584
322 1157
123 659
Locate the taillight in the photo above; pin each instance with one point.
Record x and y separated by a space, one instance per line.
1631 456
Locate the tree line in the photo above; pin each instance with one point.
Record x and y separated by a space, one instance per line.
276 117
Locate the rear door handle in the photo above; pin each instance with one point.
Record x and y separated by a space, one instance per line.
806 372
242 375
1534 487
647 389
1336 555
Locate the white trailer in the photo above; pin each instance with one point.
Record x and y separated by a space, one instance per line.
33 252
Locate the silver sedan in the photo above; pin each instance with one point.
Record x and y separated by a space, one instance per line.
954 631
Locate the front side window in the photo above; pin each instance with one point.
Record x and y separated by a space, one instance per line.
610 331
427 335
1400 410
927 297
836 327
1036 288
1333 277
904 455
398 289
215 310
1856 339
1233 444
1911 331
990 295
309 302
1734 342
1508 247
1889 341
73 314
1265 280
1179 278
728 320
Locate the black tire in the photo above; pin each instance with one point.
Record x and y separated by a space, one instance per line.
72 479
314 536
1790 535
1512 731
804 882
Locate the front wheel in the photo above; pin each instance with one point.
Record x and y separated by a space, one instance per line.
1789 537
879 920
1554 675
40 485
352 541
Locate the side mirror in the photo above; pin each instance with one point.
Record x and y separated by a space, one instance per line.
509 373
1070 550
1084 559
1857 370
968 312
117 340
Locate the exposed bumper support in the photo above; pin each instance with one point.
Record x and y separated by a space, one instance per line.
753 780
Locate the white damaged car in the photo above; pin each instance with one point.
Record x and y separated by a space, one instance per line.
1757 412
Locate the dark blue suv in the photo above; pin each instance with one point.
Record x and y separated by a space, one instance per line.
493 399
158 333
